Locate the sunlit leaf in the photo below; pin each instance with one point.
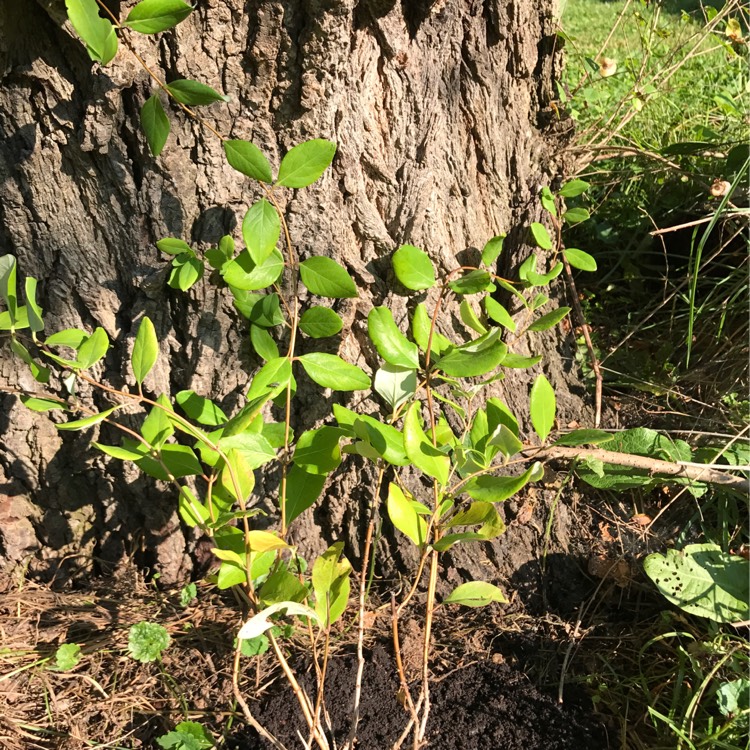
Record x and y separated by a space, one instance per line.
305 163
413 268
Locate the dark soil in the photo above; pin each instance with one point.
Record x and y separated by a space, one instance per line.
483 706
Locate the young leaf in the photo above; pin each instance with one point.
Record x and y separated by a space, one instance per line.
187 735
420 330
155 124
186 271
261 228
200 409
67 657
386 439
82 424
540 235
576 215
472 283
499 314
580 259
157 427
173 246
318 451
492 249
145 350
420 450
573 188
247 158
97 33
326 278
470 318
413 268
395 384
244 273
475 358
93 349
548 201
120 453
305 163
147 640
330 371
475 594
263 343
42 404
549 320
193 93
319 322
404 517
41 374
70 337
33 311
302 490
542 406
498 489
258 624
519 361
391 344
8 284
263 541
153 16
330 580
256 450
270 380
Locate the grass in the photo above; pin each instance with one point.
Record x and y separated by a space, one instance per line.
669 309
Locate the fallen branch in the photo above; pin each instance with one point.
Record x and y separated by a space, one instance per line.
683 469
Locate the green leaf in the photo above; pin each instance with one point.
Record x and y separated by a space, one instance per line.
157 427
580 259
498 413
576 215
179 460
499 314
261 229
263 343
318 451
391 344
527 272
413 268
330 580
33 311
193 93
67 657
385 438
147 641
247 158
404 516
505 441
470 318
420 450
237 477
420 330
244 273
319 322
40 373
200 409
305 163
70 337
395 384
155 124
173 246
540 235
187 735
283 586
549 320
82 424
733 697
583 437
153 16
326 278
475 594
330 371
548 201
472 283
475 358
498 489
8 285
573 188
93 349
42 404
519 361
187 271
120 453
262 310
98 34
703 580
302 490
145 350
256 449
492 249
542 405
271 379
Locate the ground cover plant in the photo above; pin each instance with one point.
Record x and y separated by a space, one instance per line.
431 417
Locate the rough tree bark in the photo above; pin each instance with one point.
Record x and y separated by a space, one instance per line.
438 109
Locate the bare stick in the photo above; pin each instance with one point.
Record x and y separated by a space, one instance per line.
400 664
426 652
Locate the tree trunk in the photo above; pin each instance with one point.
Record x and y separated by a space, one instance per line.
437 111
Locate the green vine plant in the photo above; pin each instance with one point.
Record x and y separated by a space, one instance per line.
437 419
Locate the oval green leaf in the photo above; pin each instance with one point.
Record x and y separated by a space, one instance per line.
420 450
404 517
247 158
194 93
391 344
305 163
145 350
330 371
549 320
320 322
540 235
153 16
244 273
261 228
82 424
97 33
326 278
542 405
580 259
93 349
413 268
475 594
155 124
